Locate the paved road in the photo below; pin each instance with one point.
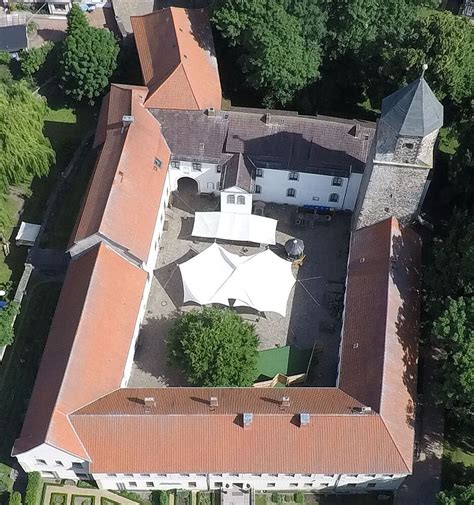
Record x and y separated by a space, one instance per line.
421 487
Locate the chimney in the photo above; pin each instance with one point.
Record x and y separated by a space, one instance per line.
211 112
213 403
361 410
285 402
247 419
148 403
127 121
304 419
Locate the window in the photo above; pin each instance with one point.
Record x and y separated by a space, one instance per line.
128 474
145 475
82 476
293 484
233 474
218 484
324 484
271 484
185 474
192 484
241 200
305 475
149 484
291 192
77 465
132 484
351 485
353 475
111 475
273 475
121 486
259 172
175 164
371 484
337 181
230 199
40 462
218 169
308 484
388 475
197 167
333 197
258 189
371 475
293 176
157 163
408 145
59 463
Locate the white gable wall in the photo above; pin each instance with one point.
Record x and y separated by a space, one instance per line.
53 463
237 194
207 178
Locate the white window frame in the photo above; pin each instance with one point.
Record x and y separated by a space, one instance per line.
240 200
291 193
293 176
230 199
334 198
197 167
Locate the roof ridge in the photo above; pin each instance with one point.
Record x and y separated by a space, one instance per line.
189 83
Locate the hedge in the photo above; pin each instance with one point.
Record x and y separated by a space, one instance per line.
33 489
160 497
15 498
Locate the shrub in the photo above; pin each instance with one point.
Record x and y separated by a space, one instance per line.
299 497
87 484
160 497
276 497
15 498
288 497
7 317
203 499
33 489
32 60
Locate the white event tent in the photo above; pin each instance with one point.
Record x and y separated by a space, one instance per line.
233 226
262 281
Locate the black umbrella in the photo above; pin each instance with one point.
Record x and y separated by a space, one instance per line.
294 247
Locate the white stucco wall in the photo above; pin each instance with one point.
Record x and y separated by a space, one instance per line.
258 482
238 208
310 189
57 464
207 178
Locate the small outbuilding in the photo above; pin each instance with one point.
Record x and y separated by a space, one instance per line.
27 234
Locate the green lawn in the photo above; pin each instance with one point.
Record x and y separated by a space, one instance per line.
21 361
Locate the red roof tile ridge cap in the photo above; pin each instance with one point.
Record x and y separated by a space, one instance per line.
409 466
189 83
154 86
47 442
75 412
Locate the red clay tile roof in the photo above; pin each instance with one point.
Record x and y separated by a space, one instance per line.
181 434
178 60
97 311
380 333
125 191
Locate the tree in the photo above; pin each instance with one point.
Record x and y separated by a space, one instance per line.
453 330
88 60
24 150
32 60
276 57
15 498
443 41
459 495
76 19
214 347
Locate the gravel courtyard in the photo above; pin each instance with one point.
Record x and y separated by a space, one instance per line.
314 306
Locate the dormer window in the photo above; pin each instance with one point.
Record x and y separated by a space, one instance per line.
157 163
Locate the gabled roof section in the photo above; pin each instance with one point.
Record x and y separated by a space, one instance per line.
124 194
238 171
413 110
380 331
178 59
87 347
181 432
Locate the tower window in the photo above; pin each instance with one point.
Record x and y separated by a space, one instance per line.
258 189
157 163
259 172
293 176
334 197
175 164
291 192
241 200
230 199
337 181
197 167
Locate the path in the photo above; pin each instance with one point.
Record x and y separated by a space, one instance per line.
421 487
83 491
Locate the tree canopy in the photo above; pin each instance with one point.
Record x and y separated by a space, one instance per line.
277 55
446 43
214 347
24 150
459 495
89 58
32 60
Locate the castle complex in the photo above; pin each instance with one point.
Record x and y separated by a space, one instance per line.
83 422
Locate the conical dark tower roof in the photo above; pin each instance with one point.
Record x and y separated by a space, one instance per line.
413 111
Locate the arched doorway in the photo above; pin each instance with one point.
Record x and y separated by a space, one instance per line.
187 186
